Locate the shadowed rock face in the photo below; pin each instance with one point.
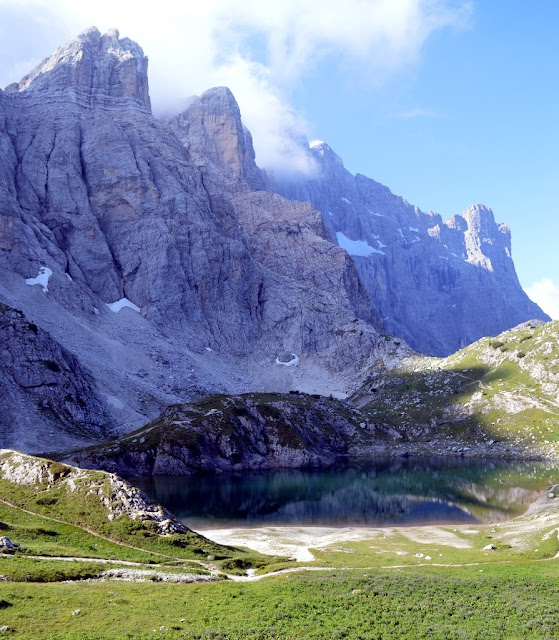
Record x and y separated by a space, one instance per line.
163 217
438 285
228 433
39 376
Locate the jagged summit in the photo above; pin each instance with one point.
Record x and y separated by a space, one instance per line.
95 66
212 130
439 285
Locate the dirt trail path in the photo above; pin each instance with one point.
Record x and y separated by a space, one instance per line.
106 538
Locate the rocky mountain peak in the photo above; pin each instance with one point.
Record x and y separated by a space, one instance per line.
438 285
486 243
212 130
92 66
326 157
480 219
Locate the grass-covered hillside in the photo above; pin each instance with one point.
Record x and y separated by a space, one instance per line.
51 512
497 395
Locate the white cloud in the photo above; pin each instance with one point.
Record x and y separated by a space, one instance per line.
546 293
258 49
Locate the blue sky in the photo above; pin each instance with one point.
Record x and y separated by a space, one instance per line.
474 121
446 102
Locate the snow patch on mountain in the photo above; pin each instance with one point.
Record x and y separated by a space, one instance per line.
115 307
356 247
42 278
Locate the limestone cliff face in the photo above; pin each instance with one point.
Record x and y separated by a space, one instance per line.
163 271
161 266
439 285
287 238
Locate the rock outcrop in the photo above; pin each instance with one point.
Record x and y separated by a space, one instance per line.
115 497
40 377
233 433
439 285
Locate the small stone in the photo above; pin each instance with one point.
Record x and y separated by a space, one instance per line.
551 494
6 544
489 547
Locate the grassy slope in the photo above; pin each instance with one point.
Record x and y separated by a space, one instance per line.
497 390
64 513
502 601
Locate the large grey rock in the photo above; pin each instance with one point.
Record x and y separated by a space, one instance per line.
438 285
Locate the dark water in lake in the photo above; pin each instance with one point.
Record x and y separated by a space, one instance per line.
380 493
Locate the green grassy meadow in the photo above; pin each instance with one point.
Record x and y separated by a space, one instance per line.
496 601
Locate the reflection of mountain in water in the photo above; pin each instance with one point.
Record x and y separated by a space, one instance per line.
384 493
356 506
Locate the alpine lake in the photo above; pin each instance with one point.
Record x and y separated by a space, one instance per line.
379 493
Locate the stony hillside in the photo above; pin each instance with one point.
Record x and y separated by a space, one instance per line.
251 431
498 395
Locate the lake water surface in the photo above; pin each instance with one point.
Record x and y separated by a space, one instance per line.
380 493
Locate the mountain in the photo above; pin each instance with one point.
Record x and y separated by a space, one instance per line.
147 252
439 285
147 262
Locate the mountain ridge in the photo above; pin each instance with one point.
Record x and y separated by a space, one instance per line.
167 265
439 285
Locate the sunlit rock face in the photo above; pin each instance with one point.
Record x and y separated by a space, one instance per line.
169 271
438 284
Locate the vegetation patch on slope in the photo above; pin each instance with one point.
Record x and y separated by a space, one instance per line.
497 396
51 511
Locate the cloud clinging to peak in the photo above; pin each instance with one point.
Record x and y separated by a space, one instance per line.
259 49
